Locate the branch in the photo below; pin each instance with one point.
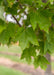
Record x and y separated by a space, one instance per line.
16 21
22 8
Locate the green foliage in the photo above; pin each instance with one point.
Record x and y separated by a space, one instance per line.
8 33
40 61
53 19
10 2
27 36
49 43
39 17
1 12
28 53
2 25
12 10
36 34
1 1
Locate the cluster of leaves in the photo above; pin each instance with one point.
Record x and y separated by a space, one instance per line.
36 34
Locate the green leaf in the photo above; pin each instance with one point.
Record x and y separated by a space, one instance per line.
36 62
28 52
8 33
1 1
49 43
41 47
10 3
2 25
12 10
32 36
4 37
23 40
12 29
26 37
1 12
53 19
26 1
33 19
44 63
44 23
41 61
48 47
39 18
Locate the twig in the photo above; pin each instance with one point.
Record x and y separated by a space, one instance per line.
16 21
22 8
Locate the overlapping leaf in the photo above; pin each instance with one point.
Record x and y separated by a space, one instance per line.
26 37
49 43
41 61
8 33
42 18
28 53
